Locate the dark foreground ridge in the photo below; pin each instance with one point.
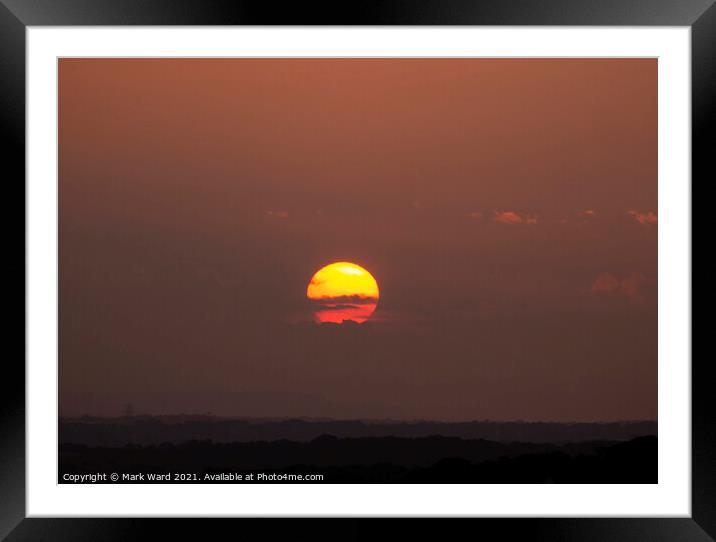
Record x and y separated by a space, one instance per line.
435 459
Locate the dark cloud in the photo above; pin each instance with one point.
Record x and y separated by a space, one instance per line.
337 307
346 299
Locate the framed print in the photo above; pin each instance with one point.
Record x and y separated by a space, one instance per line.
421 260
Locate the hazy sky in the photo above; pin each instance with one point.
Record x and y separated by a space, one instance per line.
507 209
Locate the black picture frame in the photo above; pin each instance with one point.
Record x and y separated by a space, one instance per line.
17 15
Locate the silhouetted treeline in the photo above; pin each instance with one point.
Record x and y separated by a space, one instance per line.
155 430
382 460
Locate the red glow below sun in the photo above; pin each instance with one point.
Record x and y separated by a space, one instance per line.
337 313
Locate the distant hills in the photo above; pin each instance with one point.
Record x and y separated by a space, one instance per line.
155 430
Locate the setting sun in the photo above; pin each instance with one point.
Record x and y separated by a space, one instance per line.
343 291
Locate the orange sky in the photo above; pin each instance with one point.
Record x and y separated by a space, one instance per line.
508 208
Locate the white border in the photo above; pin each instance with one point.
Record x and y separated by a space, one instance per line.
670 497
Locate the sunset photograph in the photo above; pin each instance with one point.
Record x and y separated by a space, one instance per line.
358 270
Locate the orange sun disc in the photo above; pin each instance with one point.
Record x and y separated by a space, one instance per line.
343 291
